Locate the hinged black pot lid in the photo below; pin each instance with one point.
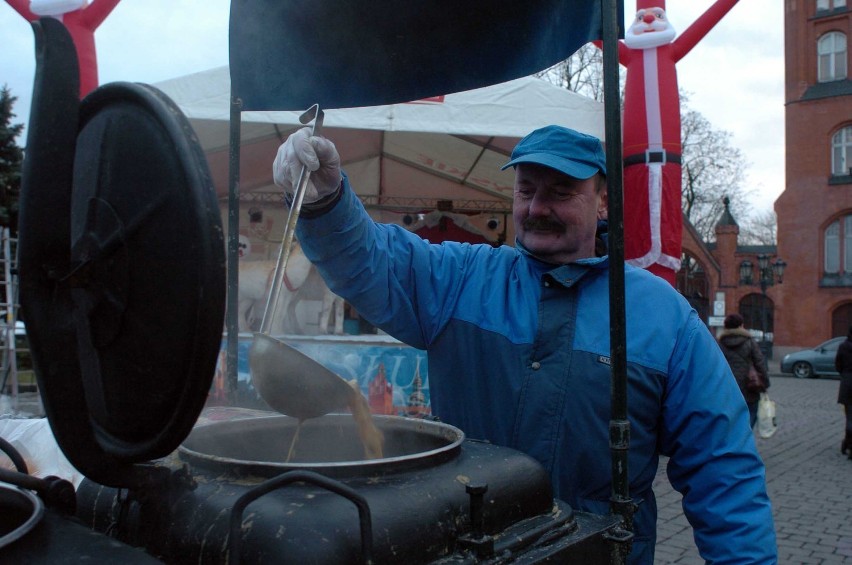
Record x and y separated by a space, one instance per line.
122 267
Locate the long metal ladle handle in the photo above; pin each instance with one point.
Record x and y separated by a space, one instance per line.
313 113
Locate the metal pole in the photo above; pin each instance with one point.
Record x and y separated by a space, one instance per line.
620 502
10 354
233 245
763 322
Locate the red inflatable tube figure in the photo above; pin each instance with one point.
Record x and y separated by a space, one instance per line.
653 216
81 19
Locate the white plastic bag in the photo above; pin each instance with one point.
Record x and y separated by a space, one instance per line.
33 439
766 423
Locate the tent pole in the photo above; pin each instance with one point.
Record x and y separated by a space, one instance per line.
619 427
233 245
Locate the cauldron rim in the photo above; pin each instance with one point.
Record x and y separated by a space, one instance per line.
453 435
36 511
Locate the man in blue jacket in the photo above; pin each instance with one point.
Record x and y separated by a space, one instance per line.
518 341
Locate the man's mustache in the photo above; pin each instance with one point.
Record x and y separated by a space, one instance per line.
543 224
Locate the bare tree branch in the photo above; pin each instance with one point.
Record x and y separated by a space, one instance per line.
582 72
712 169
760 228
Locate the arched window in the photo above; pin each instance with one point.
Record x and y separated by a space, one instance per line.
837 242
841 152
831 50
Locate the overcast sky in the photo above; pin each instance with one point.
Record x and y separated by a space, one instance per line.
735 76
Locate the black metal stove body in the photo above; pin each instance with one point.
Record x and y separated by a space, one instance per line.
435 498
123 288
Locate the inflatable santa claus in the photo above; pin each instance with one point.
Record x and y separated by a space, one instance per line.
653 219
81 18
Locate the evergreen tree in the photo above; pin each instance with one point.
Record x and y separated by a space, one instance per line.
11 158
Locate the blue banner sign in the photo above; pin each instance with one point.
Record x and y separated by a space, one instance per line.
391 375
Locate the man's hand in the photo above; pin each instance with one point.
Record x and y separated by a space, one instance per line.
318 154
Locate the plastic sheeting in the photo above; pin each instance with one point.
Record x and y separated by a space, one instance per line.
34 440
450 146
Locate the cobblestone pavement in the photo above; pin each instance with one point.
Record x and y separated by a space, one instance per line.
809 481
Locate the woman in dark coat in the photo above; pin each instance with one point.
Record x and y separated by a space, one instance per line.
843 364
742 351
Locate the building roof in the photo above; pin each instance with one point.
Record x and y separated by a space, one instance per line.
726 218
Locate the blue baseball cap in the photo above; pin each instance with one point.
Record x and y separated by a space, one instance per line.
570 152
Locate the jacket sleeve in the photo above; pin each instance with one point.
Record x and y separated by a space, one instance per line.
713 461
390 275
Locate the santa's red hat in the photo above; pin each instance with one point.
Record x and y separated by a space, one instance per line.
645 4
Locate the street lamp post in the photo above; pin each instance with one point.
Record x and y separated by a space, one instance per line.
767 274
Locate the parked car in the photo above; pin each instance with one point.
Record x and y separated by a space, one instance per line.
809 363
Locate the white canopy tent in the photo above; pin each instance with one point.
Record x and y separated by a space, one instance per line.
399 156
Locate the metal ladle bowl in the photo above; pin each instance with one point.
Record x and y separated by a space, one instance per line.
294 384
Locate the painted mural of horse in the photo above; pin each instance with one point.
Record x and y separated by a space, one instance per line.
301 282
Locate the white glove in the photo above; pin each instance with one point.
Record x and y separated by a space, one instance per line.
318 154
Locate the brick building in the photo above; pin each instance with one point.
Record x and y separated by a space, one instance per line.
815 210
724 277
814 301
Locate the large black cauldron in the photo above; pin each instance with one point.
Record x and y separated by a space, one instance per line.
435 497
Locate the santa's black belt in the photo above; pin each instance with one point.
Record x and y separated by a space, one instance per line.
652 157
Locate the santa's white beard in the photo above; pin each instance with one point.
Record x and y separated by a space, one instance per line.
649 39
55 7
